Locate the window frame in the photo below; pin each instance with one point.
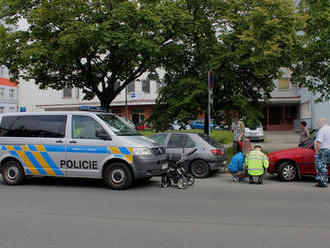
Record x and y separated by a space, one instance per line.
79 138
62 133
178 147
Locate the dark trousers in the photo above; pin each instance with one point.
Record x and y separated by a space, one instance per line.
236 147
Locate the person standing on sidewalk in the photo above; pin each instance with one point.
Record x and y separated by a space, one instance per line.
238 132
305 136
322 153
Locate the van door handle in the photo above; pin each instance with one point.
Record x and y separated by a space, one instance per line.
59 141
73 141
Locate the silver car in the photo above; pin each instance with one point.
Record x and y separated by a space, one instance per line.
210 154
76 144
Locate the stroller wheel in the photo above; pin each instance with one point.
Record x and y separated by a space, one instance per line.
166 182
182 183
190 181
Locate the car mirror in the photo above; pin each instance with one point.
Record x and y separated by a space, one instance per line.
102 134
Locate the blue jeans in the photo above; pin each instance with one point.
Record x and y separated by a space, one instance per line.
321 165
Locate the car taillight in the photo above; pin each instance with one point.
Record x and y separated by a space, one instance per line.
217 152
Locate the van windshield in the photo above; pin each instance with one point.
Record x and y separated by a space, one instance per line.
118 126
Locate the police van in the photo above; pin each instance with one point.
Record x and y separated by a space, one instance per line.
76 144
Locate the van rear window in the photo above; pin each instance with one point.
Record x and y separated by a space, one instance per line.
41 126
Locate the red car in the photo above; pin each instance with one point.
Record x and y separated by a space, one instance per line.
293 163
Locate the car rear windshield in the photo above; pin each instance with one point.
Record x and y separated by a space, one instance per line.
117 125
209 140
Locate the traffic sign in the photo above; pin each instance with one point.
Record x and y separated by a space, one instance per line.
211 79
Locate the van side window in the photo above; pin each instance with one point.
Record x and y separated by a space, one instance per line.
40 126
85 127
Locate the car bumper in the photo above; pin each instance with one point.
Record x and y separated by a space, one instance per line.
216 164
148 166
254 137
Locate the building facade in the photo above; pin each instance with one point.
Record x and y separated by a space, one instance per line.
140 96
8 96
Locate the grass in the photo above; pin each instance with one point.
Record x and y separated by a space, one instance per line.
222 136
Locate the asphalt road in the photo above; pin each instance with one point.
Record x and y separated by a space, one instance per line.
215 212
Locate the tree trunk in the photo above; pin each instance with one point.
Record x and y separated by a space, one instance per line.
206 124
105 102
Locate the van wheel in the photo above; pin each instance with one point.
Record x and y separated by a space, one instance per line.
287 171
12 173
199 169
118 176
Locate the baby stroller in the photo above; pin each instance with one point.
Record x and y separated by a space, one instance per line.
177 174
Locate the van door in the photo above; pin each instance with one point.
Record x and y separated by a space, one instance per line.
38 141
86 152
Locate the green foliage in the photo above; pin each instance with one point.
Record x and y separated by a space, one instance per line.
313 49
246 42
92 45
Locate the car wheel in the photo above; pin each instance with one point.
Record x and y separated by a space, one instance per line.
287 171
199 169
13 173
118 176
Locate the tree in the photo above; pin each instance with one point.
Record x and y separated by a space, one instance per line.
246 42
311 69
93 45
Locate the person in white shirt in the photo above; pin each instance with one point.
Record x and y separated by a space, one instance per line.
322 153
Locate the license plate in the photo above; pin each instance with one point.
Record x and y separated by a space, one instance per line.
164 166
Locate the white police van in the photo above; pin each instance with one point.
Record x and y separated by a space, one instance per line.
76 144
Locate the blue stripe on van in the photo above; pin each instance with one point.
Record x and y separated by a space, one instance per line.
50 148
32 148
18 148
27 171
51 163
124 151
36 163
87 149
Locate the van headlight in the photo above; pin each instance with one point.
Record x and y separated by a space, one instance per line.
142 151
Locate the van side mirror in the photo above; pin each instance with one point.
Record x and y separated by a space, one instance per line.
102 134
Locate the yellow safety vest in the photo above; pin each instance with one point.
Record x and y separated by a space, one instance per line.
256 162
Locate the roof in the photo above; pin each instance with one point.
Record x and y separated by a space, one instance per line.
6 82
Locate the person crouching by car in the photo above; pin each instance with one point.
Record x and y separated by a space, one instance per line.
305 136
237 168
256 163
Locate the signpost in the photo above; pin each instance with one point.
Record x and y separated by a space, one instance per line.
210 97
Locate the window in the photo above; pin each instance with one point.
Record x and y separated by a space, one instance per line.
146 86
77 93
41 126
209 140
11 93
12 109
2 110
85 127
283 84
180 141
159 138
2 93
131 87
305 110
67 92
117 125
1 71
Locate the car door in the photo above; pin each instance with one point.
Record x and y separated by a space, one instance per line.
176 143
86 151
306 161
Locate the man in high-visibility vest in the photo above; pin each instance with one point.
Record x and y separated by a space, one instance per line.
256 163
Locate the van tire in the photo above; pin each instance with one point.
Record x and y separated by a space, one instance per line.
118 176
12 173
